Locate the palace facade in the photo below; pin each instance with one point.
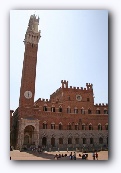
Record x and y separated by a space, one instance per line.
69 119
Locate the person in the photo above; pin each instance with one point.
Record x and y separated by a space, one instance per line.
79 155
56 157
93 155
96 155
71 157
74 155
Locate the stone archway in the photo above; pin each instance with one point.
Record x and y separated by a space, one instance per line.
29 135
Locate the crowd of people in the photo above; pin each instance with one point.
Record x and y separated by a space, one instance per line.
72 156
95 155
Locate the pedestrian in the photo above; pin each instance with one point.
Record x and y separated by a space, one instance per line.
96 155
74 155
71 157
93 155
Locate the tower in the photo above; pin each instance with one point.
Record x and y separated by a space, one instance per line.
31 40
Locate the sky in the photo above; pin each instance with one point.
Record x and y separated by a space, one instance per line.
73 47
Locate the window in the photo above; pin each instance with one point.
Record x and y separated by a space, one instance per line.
105 111
97 111
83 127
99 127
44 108
88 99
68 110
84 141
91 141
60 108
76 140
106 126
90 127
60 126
100 140
76 127
82 111
69 126
44 125
69 140
52 109
75 110
52 126
60 140
89 111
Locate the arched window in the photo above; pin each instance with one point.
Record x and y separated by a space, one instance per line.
90 127
75 110
106 126
60 108
82 111
97 111
60 126
83 127
44 125
53 108
99 126
68 109
89 111
45 107
76 126
105 111
69 126
52 125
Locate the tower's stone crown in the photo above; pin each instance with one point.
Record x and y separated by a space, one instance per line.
32 34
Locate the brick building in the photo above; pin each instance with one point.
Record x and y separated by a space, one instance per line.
69 119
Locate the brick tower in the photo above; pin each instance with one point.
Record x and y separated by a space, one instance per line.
31 40
28 126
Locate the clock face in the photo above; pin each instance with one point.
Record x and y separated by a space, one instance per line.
28 94
78 97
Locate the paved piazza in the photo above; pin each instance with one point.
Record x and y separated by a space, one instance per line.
17 155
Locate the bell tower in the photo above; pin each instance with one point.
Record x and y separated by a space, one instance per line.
27 90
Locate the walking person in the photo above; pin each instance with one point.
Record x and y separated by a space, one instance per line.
96 155
74 155
71 157
93 155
